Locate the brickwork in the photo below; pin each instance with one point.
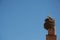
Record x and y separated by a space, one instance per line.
51 37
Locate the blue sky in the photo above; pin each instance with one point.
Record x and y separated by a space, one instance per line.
24 19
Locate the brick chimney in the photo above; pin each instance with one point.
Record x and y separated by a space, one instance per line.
50 26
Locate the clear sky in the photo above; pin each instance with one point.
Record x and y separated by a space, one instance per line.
24 19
